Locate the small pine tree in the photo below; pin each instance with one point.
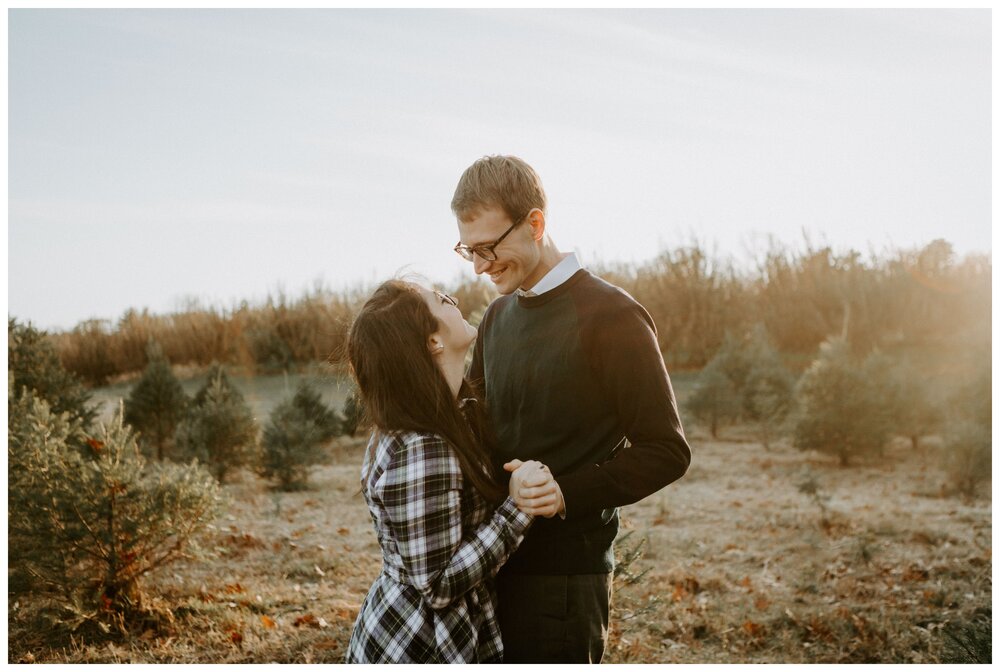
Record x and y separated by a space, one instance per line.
968 458
91 527
745 379
354 411
715 399
973 402
293 442
218 430
841 406
216 372
914 410
768 398
768 388
310 403
33 361
737 355
156 404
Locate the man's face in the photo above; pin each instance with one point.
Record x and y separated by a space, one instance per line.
518 255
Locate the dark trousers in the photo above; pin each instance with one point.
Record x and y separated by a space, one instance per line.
553 618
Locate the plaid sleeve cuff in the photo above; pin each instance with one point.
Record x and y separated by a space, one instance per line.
518 520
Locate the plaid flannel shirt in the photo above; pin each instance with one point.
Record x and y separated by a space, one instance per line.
435 600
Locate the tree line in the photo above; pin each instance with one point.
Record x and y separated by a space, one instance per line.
923 298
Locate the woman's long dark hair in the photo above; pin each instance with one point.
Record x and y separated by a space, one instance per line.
404 389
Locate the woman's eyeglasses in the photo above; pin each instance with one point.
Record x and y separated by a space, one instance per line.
444 298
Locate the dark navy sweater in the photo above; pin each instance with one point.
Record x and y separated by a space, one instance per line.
569 376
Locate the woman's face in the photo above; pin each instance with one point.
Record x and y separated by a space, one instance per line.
454 333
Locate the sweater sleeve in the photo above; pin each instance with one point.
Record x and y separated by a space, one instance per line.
422 497
622 347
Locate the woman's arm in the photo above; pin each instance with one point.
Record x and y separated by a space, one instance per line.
422 493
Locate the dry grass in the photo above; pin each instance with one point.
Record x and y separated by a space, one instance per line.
925 299
743 567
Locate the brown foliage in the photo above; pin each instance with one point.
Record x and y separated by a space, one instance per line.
908 298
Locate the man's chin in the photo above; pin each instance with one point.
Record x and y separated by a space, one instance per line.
506 286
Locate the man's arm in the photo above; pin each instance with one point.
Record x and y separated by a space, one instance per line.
630 368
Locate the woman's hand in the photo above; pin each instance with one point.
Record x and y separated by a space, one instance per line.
534 489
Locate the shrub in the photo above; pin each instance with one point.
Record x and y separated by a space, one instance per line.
768 398
293 442
219 429
156 404
915 411
216 372
715 399
767 391
35 366
973 402
841 405
968 456
91 526
310 403
744 379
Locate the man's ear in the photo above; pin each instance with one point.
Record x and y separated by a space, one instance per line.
536 218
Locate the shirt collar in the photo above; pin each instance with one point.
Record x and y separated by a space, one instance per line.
559 274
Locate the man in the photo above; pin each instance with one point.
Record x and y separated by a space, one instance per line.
573 377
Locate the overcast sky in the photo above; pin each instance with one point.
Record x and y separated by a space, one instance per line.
156 155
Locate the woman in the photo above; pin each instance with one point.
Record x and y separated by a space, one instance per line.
444 522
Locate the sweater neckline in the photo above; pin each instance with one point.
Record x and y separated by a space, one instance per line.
542 299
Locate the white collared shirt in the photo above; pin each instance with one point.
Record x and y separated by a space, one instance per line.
559 274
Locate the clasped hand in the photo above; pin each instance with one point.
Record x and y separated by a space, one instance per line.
534 489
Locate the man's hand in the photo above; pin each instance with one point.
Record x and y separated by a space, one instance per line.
533 488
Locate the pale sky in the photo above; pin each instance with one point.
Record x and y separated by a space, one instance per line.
156 155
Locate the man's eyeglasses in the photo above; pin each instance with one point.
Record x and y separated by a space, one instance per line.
486 250
445 298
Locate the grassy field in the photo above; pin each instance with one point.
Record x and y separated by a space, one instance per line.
741 564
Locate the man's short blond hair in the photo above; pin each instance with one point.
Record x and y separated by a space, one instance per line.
504 182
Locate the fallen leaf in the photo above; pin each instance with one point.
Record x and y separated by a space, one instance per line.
307 619
236 638
268 622
343 531
326 644
762 603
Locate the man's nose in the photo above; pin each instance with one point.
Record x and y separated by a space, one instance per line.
480 264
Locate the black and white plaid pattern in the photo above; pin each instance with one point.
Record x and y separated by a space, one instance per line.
435 600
